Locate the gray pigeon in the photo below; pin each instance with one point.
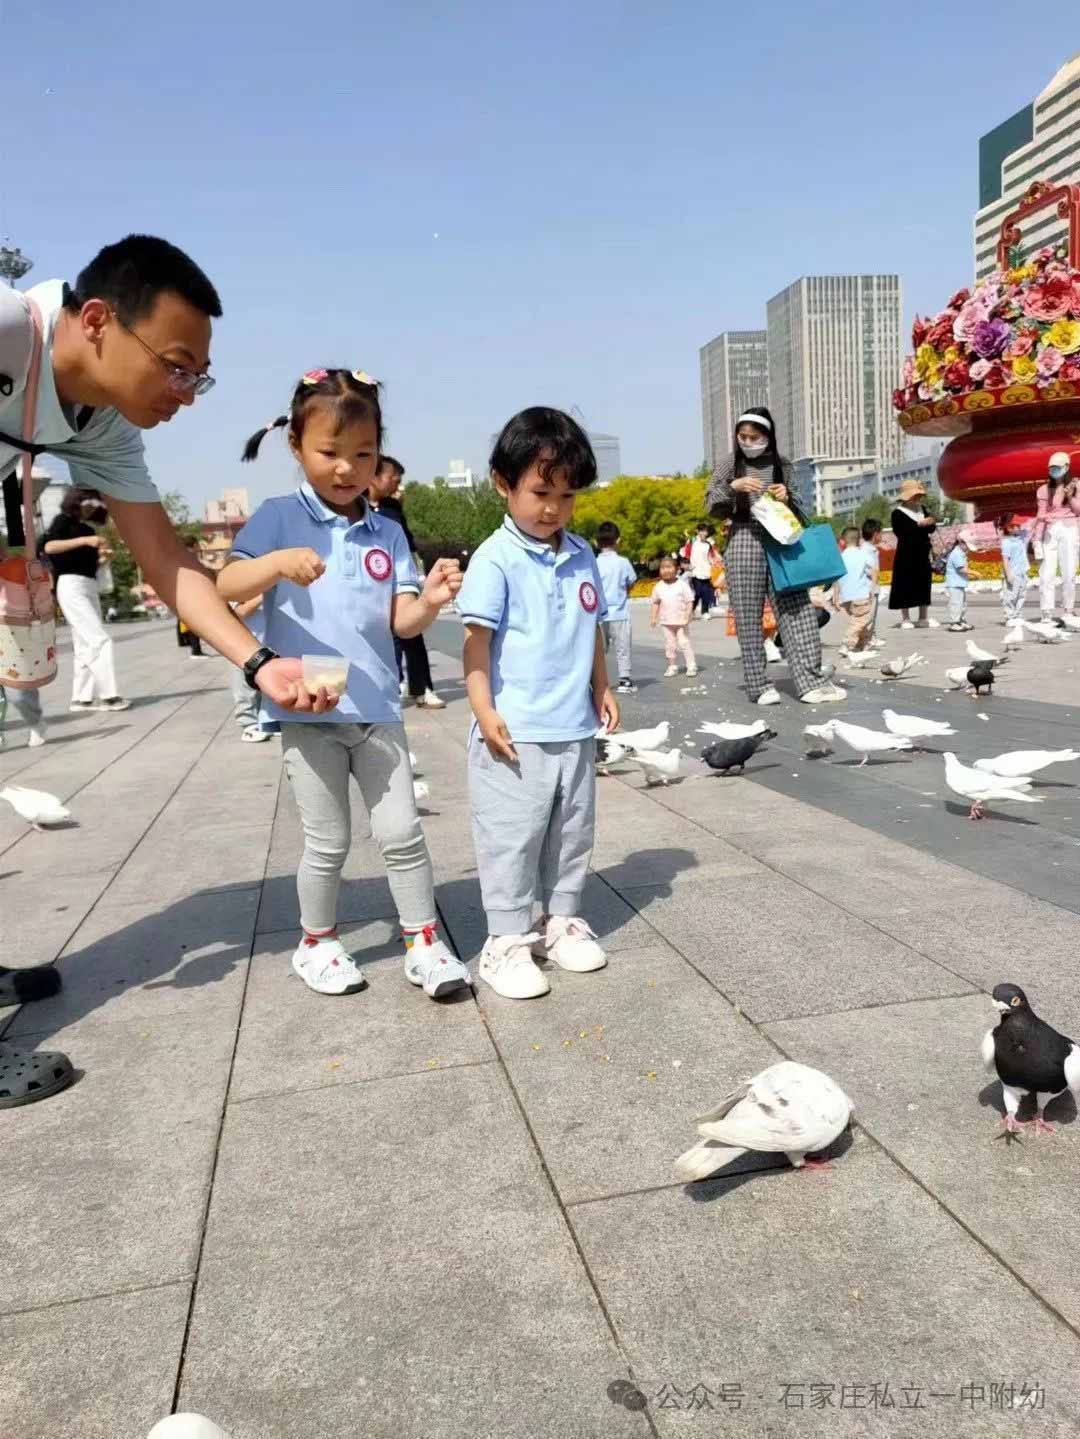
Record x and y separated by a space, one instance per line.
728 754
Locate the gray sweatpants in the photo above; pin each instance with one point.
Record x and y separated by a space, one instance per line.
618 632
319 758
957 598
1013 597
533 828
245 700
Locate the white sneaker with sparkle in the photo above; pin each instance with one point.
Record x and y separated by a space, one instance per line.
507 965
430 964
326 966
571 944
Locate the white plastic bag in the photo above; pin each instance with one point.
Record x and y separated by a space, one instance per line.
775 517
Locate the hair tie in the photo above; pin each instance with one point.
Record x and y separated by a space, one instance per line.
363 377
271 426
314 377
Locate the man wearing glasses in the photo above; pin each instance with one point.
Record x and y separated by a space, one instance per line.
122 352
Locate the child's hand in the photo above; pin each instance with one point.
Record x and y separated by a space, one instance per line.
496 736
301 566
607 707
443 582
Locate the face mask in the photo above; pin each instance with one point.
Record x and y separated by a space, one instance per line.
753 448
95 514
1058 474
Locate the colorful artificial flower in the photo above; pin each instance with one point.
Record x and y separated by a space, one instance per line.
927 362
956 375
1064 335
971 314
1024 369
979 370
940 334
1070 371
960 298
1022 343
989 338
919 331
1049 362
1048 300
997 377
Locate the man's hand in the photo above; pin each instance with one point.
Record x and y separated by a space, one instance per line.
442 583
282 680
496 736
607 707
301 566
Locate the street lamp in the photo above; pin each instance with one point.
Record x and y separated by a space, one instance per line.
13 263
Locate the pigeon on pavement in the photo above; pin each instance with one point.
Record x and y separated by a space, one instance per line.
1014 636
420 791
818 739
646 739
957 677
726 730
980 677
1029 1057
787 1109
982 657
893 669
914 726
1026 761
1046 631
660 766
980 788
729 754
866 741
36 806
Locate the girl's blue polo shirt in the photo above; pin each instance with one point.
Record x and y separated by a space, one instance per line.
347 610
543 606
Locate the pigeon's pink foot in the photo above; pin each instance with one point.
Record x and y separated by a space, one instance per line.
817 1164
976 811
1041 1126
1010 1129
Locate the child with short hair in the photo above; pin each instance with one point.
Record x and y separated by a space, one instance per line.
618 577
871 536
536 674
1014 563
672 606
339 582
852 592
956 584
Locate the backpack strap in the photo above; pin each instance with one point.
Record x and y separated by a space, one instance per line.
30 394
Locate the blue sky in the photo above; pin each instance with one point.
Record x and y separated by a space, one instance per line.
611 185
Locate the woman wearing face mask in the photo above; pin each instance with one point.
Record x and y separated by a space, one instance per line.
75 550
1057 535
756 467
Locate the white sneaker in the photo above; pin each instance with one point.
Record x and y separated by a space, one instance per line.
431 964
770 697
933 624
431 701
906 625
772 654
505 964
691 673
252 734
325 965
36 737
403 689
878 644
571 944
844 652
671 671
824 695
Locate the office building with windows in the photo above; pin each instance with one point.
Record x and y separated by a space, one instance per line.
734 376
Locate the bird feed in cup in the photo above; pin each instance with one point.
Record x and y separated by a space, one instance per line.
328 672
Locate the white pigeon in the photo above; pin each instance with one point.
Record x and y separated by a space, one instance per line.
818 738
420 791
613 754
980 788
787 1109
893 669
1021 762
958 677
855 660
35 806
1071 622
914 726
1046 632
1014 636
867 741
659 766
725 730
980 656
646 739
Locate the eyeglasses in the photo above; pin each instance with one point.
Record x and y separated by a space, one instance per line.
182 381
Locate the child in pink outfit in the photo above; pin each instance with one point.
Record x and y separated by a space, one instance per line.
672 606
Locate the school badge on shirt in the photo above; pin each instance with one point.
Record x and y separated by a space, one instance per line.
378 564
588 597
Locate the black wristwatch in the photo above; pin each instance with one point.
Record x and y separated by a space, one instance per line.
256 662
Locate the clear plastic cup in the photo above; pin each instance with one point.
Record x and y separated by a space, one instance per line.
328 672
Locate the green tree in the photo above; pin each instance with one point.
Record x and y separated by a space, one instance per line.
703 472
654 516
125 571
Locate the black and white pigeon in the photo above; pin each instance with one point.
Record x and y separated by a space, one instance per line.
728 754
980 677
787 1109
1029 1057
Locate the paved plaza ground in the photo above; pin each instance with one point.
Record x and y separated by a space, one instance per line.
378 1217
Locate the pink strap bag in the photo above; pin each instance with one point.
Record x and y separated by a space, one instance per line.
27 609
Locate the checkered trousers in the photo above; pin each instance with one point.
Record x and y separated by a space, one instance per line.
748 583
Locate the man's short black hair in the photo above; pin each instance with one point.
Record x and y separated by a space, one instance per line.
549 439
870 528
131 274
607 534
395 465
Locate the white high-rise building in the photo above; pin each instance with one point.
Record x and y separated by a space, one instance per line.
459 476
734 376
834 360
1039 142
233 505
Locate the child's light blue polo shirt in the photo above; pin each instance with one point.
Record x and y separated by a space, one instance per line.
956 571
543 606
855 581
618 577
347 610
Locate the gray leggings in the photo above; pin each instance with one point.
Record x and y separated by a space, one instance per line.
319 758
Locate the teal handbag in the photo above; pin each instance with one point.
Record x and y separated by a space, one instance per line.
814 559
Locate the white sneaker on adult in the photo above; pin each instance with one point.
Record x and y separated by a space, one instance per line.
36 737
571 944
402 689
186 1426
326 966
506 964
824 695
772 653
431 701
671 671
770 697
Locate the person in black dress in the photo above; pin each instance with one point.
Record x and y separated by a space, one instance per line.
912 564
